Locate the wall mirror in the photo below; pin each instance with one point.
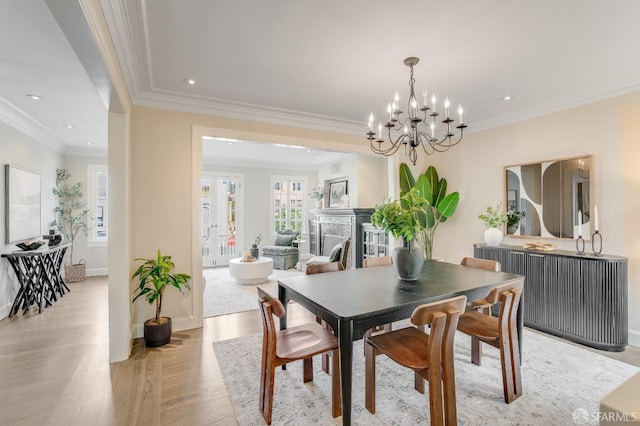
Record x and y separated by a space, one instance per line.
555 197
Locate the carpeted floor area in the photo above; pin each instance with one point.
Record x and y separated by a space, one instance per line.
222 295
558 379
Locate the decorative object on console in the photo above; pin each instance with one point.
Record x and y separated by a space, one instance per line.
412 135
439 207
596 235
154 275
494 219
54 239
538 246
30 245
72 215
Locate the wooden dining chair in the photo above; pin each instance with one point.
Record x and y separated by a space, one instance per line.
370 262
486 264
429 355
280 347
500 332
320 268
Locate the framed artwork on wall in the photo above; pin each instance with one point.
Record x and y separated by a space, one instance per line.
22 204
336 191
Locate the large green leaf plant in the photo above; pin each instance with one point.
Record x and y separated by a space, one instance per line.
154 275
438 205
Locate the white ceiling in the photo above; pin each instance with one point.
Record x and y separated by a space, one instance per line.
321 65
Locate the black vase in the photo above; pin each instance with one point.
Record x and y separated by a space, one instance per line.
408 261
157 334
255 253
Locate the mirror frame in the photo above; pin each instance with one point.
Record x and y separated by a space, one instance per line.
590 159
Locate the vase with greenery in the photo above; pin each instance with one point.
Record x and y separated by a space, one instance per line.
403 219
71 219
439 205
317 193
513 219
154 275
494 219
255 252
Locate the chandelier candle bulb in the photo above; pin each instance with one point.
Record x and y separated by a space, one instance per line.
425 98
446 107
595 218
460 111
433 103
579 223
433 129
389 111
379 130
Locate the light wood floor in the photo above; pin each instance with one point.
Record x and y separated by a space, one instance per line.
54 368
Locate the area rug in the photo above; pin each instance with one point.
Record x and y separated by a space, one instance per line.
559 380
222 295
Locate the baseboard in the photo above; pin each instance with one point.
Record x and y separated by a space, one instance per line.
634 338
97 272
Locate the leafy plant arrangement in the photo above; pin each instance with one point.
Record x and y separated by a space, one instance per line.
402 218
154 275
71 211
439 205
257 240
514 217
494 217
317 193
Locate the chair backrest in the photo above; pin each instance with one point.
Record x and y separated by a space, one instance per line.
329 242
443 317
369 262
286 237
344 259
269 307
320 268
486 264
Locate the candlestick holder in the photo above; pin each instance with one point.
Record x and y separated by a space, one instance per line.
580 245
596 236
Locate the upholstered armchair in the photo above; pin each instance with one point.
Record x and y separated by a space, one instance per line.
283 252
335 248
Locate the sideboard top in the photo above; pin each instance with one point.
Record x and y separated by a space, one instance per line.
565 253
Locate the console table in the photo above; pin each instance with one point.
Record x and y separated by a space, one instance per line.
582 298
38 273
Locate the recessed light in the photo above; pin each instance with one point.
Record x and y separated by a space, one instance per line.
506 98
89 143
36 97
69 126
189 81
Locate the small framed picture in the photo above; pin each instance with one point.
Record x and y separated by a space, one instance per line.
336 191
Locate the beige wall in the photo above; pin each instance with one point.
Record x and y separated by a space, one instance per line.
608 130
166 158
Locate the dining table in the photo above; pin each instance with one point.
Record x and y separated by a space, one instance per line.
355 300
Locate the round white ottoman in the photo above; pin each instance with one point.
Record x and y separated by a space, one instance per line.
251 272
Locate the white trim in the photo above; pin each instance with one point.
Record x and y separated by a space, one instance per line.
305 200
92 202
634 338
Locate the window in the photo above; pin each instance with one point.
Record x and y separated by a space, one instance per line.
98 203
288 203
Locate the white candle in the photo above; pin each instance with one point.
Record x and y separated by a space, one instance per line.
579 223
460 111
595 217
396 100
425 98
446 107
433 129
379 130
371 122
433 103
389 111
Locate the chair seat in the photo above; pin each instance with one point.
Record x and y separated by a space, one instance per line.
279 250
482 326
407 346
304 341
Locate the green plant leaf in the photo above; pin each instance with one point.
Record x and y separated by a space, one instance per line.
407 180
425 190
447 207
432 177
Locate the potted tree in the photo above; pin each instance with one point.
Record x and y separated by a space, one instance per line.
72 214
439 205
154 275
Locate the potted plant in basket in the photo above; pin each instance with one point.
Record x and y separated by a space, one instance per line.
72 215
494 219
154 275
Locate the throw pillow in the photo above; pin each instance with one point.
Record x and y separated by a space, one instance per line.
334 254
284 240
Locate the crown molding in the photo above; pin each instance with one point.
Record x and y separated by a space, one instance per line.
24 123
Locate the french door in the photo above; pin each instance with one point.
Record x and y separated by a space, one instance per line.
222 217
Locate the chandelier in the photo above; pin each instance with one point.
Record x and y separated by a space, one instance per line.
413 135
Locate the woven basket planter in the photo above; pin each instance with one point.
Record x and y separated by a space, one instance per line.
76 272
